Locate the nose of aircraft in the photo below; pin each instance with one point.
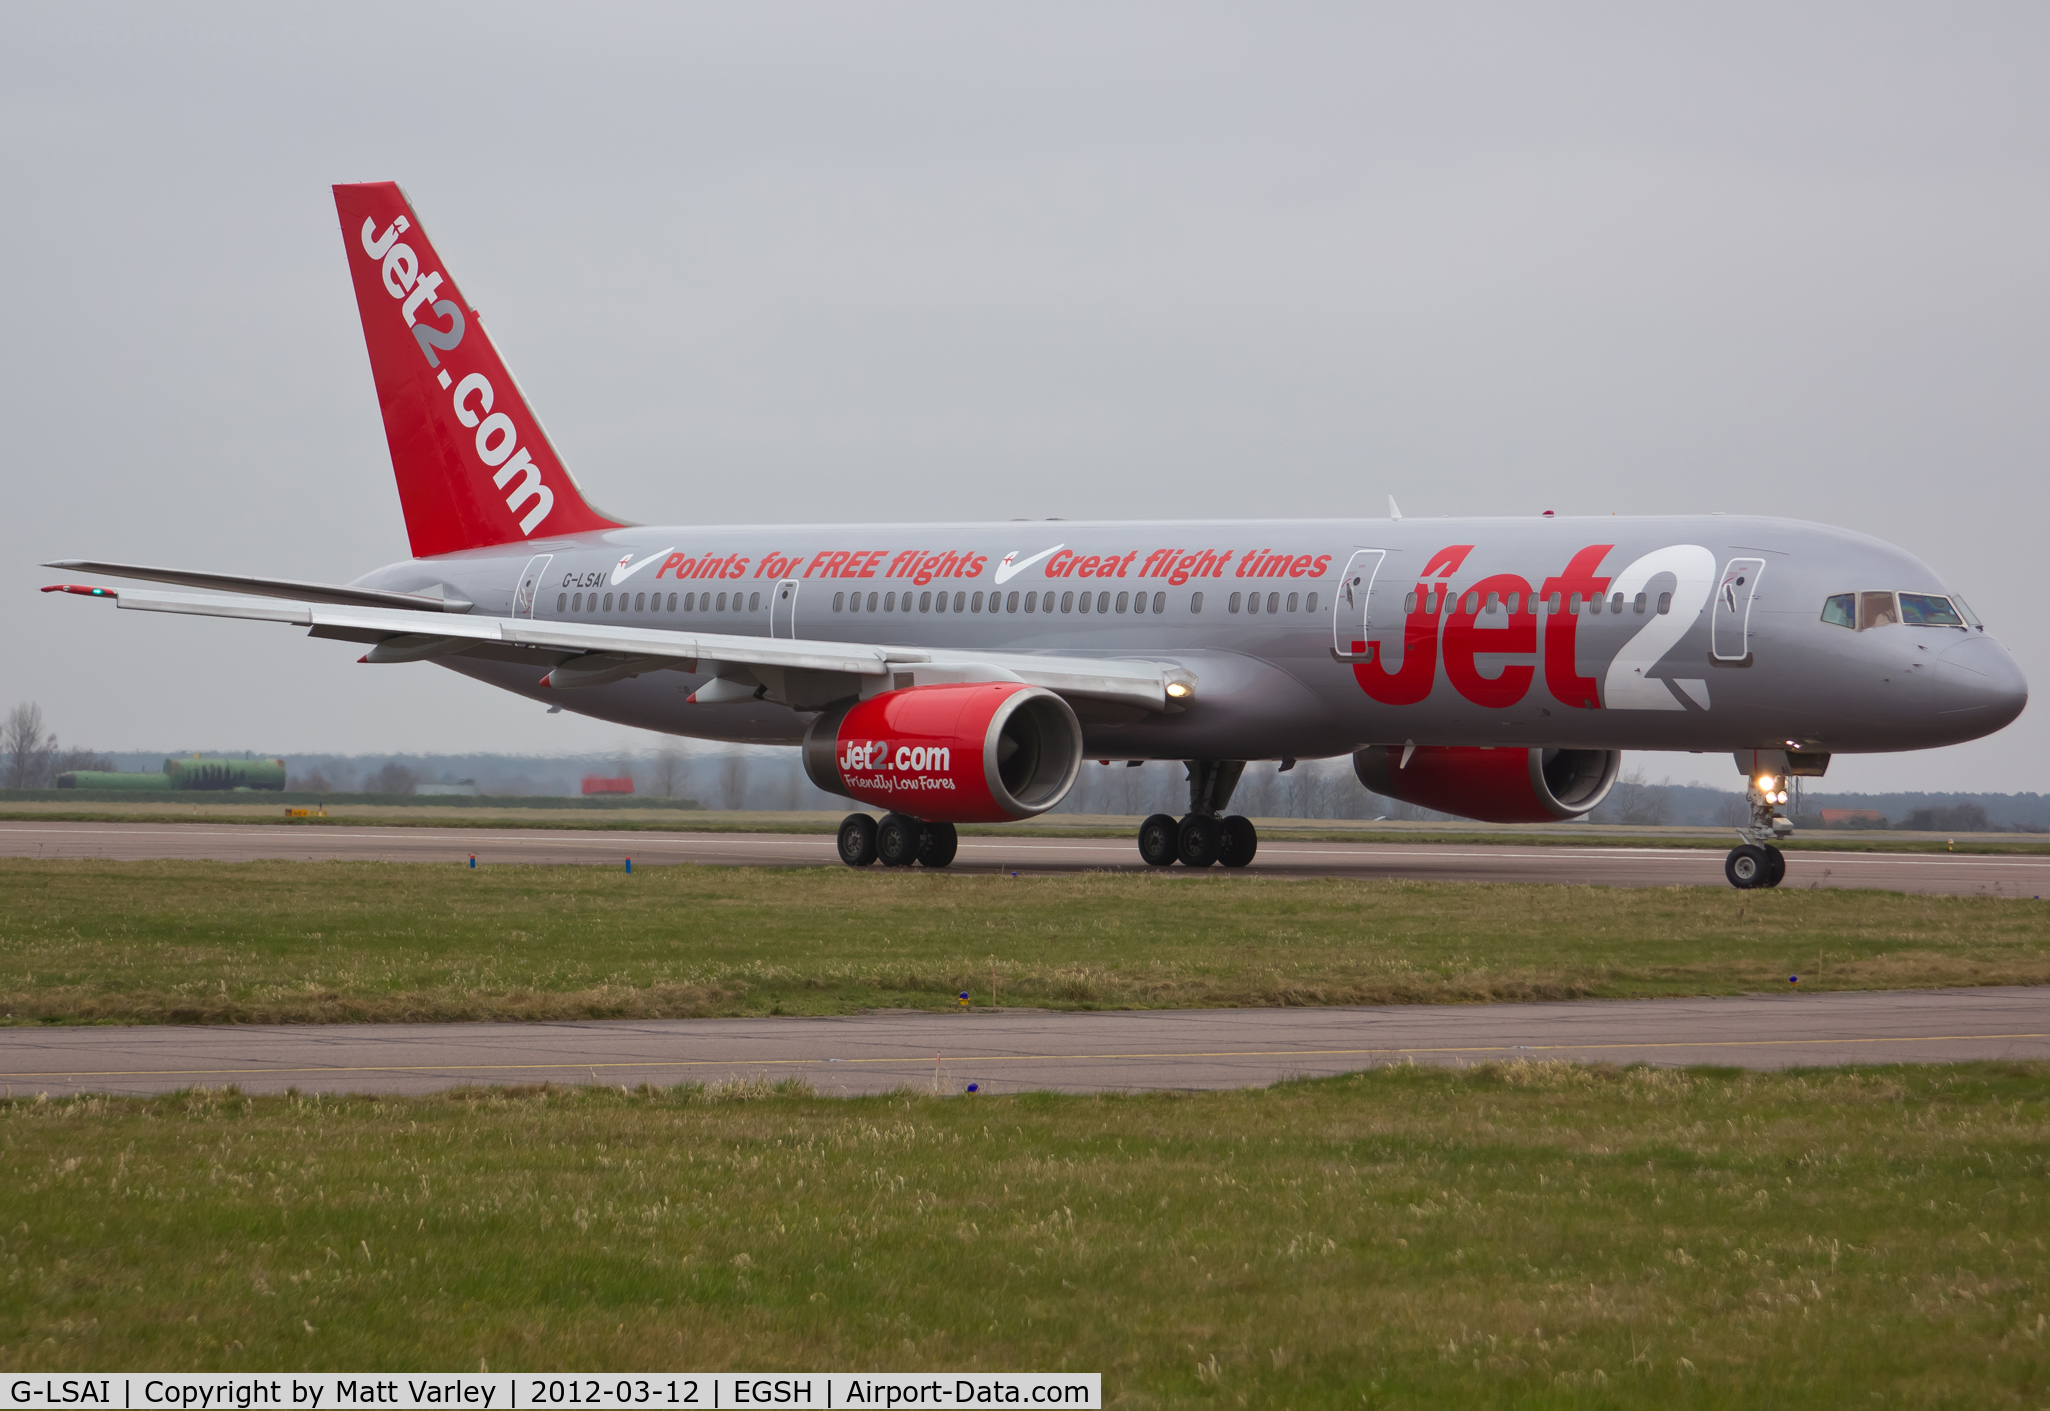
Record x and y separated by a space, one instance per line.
1978 675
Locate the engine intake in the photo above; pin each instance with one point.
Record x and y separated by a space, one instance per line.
1492 785
983 752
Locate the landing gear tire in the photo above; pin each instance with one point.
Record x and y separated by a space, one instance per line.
857 840
1779 867
1241 841
1160 840
1200 839
1749 866
897 840
937 844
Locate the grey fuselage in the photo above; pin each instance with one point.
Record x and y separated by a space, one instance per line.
1668 633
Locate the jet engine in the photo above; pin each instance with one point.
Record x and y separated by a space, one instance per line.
980 752
1506 785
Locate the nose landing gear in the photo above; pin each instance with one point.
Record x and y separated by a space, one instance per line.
1756 863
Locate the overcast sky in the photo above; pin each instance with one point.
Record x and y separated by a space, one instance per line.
785 263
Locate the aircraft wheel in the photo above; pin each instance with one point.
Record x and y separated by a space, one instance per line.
1160 840
857 840
1778 874
1200 840
937 844
897 840
1241 841
1748 866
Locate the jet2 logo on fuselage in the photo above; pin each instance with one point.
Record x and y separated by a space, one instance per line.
1444 625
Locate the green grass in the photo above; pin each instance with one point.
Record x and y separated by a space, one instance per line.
1521 1235
189 942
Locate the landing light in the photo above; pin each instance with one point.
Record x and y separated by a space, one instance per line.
1177 690
1765 783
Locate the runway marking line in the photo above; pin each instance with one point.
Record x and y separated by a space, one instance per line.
1006 1057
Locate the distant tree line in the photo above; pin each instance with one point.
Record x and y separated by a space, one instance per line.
30 755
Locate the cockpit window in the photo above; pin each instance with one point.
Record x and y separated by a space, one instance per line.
1965 608
1877 610
1861 611
1928 610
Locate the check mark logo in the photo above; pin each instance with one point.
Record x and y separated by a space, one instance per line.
628 568
1010 568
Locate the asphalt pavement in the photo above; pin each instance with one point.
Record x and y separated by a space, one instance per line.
1959 873
1019 1050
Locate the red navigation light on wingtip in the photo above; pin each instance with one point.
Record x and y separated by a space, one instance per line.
82 590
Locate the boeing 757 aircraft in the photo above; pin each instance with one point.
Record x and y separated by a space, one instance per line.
950 673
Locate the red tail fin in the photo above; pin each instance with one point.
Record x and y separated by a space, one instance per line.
474 466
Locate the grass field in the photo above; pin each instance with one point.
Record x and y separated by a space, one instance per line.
681 816
306 942
1515 1236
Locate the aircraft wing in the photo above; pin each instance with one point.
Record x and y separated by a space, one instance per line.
805 675
269 587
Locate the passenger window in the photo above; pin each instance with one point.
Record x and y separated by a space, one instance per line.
754 602
1123 599
1928 610
1310 603
839 601
561 601
640 602
1473 604
608 602
976 604
1011 603
1031 602
690 603
1841 610
1252 602
889 602
1292 602
1638 604
1236 600
1102 603
1665 603
925 601
722 601
1877 610
1552 603
1515 600
1408 603
672 602
1616 603
1273 602
1083 606
1493 601
1573 604
1195 602
1159 603
1138 602
576 603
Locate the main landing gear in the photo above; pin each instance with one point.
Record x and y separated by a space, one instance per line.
1203 838
1756 863
896 840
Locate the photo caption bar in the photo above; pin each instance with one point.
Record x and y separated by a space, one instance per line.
513 1391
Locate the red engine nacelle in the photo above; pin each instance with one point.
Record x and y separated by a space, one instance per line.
984 752
1492 785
